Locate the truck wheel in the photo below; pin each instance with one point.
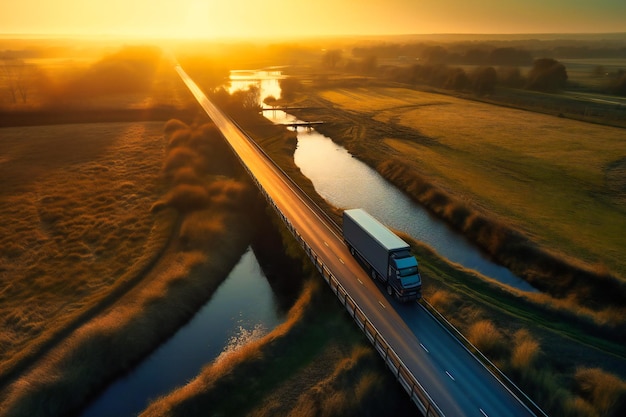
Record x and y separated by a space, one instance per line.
389 290
351 251
373 274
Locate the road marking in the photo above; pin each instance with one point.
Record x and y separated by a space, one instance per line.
483 413
325 243
424 347
450 375
360 282
381 304
341 260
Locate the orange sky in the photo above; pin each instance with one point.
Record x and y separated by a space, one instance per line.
294 18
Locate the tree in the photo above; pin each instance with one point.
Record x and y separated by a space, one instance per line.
20 78
510 77
457 80
289 87
369 64
547 74
331 58
618 84
435 54
509 56
484 80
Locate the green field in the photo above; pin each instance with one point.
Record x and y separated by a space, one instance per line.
562 182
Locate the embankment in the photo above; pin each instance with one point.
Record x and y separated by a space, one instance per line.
546 271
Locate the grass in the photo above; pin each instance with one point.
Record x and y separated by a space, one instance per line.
74 207
548 203
545 175
300 368
168 293
539 347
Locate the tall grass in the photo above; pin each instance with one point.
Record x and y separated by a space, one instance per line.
582 392
187 273
605 392
74 204
300 368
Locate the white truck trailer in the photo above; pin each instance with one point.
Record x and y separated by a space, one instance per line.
385 255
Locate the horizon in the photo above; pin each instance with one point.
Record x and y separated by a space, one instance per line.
253 19
541 36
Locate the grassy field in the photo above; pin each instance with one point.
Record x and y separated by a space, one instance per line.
87 312
525 202
558 180
75 204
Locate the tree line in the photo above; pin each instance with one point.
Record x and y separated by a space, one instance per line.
546 74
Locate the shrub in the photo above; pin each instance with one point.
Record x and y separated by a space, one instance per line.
187 197
547 74
174 125
179 158
605 391
487 338
525 350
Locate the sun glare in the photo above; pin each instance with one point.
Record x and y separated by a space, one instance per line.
197 24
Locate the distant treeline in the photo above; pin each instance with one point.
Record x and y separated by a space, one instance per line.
481 53
446 65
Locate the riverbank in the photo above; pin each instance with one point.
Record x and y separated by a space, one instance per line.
540 344
370 127
317 361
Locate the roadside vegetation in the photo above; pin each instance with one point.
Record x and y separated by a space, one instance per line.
546 352
315 363
542 197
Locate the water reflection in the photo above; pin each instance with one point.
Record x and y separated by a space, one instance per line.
241 309
345 182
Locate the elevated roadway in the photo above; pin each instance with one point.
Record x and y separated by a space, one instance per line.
440 374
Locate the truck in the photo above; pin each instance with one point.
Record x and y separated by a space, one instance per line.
384 255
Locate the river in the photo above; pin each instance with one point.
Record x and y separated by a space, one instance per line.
243 308
345 182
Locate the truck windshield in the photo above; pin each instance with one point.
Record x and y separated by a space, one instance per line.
405 272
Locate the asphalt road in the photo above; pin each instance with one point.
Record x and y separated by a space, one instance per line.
457 382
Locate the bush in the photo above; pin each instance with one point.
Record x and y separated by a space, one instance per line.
547 74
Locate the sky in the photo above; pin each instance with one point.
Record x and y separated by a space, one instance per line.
304 18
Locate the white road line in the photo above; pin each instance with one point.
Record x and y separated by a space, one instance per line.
483 413
341 260
360 282
381 304
325 243
424 347
450 375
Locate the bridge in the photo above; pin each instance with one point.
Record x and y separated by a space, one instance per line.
442 376
296 125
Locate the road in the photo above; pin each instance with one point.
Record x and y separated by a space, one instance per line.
456 381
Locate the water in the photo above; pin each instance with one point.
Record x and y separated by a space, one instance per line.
346 182
242 309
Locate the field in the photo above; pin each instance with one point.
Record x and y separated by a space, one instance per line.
75 207
540 346
560 181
